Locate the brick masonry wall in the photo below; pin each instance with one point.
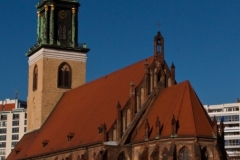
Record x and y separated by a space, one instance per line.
43 100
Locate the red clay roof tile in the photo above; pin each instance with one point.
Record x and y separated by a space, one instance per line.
8 107
179 100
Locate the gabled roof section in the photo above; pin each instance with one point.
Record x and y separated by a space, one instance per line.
82 110
181 101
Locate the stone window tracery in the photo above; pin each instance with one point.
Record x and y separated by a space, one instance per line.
64 76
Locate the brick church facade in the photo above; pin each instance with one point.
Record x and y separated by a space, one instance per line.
138 112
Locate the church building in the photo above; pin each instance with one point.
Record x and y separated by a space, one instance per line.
138 112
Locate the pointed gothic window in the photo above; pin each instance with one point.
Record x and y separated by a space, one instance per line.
205 154
165 154
35 77
121 156
64 76
155 154
184 154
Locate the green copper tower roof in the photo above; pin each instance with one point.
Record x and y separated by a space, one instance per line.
57 26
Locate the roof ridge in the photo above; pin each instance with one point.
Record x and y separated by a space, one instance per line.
169 118
192 108
202 109
182 99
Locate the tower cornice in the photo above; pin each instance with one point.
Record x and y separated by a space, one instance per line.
81 48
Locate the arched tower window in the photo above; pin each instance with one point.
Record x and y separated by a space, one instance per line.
64 76
184 154
35 77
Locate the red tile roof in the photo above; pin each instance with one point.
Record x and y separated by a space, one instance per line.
81 111
181 101
7 107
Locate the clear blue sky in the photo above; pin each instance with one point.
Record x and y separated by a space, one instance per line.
201 37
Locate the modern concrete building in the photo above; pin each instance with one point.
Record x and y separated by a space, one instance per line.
13 123
229 113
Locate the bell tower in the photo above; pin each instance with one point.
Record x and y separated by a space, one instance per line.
57 63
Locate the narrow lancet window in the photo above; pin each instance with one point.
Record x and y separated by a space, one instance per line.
64 76
35 78
64 33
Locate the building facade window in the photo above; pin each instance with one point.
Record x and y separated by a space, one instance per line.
2 144
64 76
3 124
15 130
233 142
14 144
3 117
231 118
15 123
15 116
35 78
15 137
25 122
2 151
3 130
2 137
